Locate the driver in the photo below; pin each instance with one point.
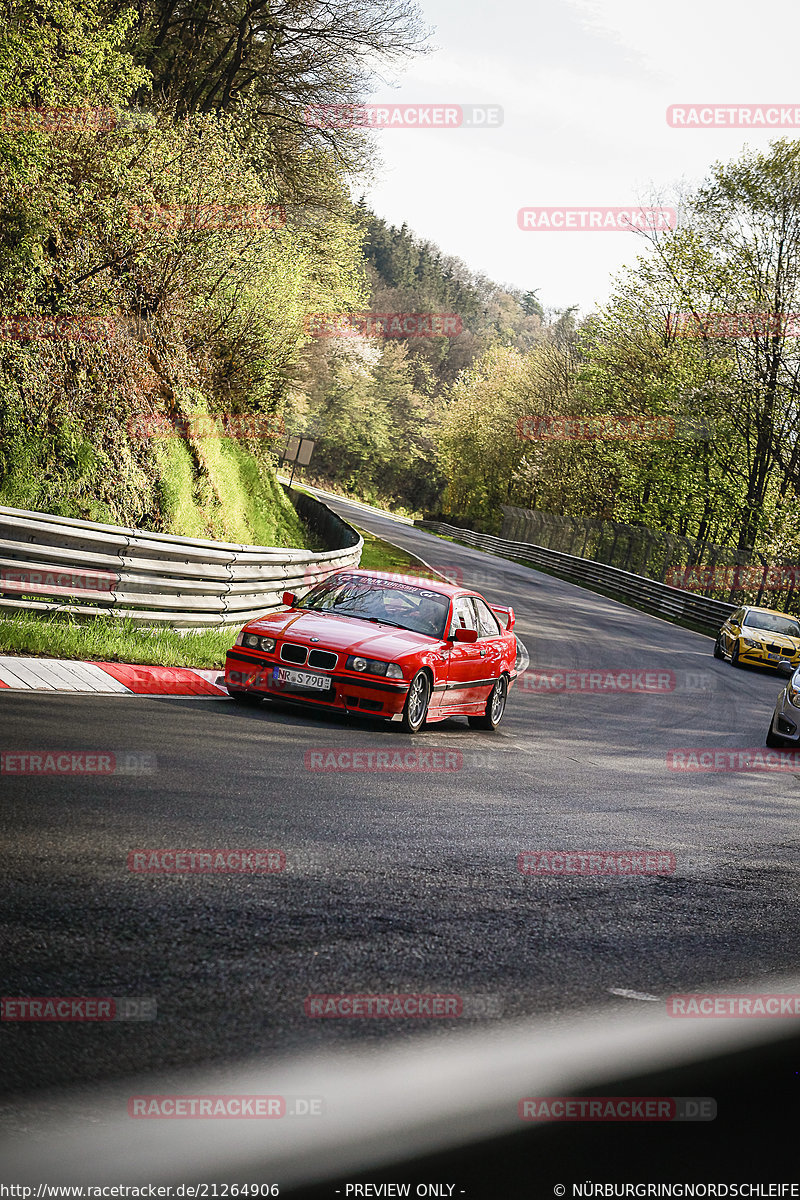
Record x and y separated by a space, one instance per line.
428 618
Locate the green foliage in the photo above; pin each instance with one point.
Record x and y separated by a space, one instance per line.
728 472
375 407
109 223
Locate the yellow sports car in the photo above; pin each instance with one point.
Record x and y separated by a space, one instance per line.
759 637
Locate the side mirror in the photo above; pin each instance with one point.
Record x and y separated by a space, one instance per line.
288 598
465 635
785 668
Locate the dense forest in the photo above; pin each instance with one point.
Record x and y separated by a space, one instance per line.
171 225
377 408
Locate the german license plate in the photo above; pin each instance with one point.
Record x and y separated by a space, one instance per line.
302 679
773 657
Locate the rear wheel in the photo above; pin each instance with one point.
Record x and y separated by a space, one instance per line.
495 706
415 709
718 652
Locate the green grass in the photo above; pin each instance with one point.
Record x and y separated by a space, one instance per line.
383 556
103 639
233 499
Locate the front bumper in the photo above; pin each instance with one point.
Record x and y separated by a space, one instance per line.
754 656
349 690
786 720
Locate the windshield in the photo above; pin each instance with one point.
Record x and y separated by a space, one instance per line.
772 623
414 608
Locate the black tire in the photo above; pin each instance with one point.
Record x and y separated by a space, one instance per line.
415 709
774 740
495 707
718 651
735 655
246 698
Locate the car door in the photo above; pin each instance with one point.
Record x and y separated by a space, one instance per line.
490 648
465 661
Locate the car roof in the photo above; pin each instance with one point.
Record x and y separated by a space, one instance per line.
431 585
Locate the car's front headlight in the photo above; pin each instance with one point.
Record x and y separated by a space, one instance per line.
255 642
372 666
751 642
793 694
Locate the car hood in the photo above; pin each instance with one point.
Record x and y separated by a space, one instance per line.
342 633
766 636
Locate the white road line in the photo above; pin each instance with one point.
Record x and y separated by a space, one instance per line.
629 995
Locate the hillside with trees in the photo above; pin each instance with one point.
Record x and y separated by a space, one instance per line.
171 222
703 335
168 221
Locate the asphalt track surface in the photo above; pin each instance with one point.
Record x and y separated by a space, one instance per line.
396 882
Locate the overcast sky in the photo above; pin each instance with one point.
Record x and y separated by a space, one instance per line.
584 86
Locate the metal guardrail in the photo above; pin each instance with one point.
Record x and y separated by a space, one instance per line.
58 564
650 594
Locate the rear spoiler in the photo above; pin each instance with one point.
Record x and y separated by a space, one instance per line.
506 615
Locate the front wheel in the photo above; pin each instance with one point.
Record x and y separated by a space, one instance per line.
735 655
415 709
495 706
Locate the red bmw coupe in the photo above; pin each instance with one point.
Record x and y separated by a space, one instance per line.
374 643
